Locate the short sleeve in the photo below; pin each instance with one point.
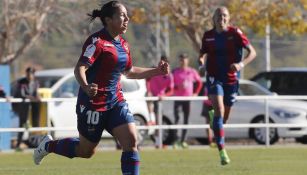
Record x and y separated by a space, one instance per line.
90 51
243 40
204 47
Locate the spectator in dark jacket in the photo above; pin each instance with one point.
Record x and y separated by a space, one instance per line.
27 89
2 93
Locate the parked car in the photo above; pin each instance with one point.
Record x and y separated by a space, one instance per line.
246 112
284 81
61 83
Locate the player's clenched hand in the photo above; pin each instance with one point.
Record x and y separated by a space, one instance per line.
235 67
164 67
91 89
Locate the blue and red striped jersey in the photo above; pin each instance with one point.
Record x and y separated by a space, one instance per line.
107 59
223 49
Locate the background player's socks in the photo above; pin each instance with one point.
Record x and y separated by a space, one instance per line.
211 116
65 147
130 163
219 132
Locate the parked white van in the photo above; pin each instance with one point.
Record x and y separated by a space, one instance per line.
61 83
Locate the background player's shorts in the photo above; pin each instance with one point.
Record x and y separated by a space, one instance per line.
229 91
91 123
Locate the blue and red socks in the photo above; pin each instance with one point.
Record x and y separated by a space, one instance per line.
218 130
65 147
130 163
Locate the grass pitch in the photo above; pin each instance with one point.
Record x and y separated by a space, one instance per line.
244 161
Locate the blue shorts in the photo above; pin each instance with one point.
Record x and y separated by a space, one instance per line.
91 123
229 91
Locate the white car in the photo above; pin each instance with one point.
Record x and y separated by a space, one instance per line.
246 112
61 83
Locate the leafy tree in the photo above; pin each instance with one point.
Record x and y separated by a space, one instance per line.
283 16
193 17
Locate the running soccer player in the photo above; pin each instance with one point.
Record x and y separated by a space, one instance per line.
222 51
101 105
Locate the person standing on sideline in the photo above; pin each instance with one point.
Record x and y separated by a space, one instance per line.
27 89
221 56
187 82
159 86
2 92
100 104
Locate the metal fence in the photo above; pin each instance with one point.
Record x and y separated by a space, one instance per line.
161 127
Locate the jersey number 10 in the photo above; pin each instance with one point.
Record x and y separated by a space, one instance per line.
92 117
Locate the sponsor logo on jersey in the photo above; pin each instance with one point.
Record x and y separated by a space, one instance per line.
210 39
108 45
82 107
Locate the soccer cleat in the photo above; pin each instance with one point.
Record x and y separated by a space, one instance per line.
224 157
184 145
40 152
176 145
212 145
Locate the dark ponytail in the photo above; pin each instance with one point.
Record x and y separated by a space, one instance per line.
95 13
107 10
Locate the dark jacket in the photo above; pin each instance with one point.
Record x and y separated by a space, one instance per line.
23 89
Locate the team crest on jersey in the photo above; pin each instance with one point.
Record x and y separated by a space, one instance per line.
126 47
230 38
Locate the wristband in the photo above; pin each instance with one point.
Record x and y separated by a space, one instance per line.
241 64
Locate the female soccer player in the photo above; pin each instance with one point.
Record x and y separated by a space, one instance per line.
100 105
222 51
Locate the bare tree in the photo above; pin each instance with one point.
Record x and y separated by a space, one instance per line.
191 17
24 22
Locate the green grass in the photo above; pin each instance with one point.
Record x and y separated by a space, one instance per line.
250 161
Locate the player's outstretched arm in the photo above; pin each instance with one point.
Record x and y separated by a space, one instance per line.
141 72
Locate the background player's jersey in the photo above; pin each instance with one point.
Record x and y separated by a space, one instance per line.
223 49
184 79
107 59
